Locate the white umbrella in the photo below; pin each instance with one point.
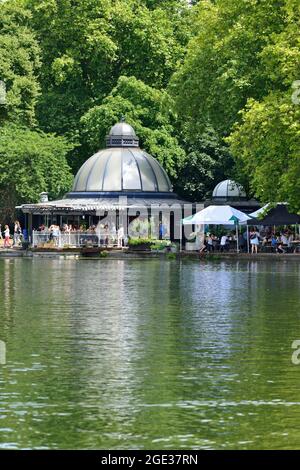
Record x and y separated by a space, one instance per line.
218 215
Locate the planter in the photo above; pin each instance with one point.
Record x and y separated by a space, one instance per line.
140 247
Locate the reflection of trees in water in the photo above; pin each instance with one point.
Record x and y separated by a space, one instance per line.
111 338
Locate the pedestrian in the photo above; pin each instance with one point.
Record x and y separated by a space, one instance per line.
254 240
210 242
120 236
223 243
6 237
17 233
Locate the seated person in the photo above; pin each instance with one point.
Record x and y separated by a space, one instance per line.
280 248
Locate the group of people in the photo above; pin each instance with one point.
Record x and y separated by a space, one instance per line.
222 243
280 242
104 234
5 235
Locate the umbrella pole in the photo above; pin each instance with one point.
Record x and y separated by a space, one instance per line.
237 238
180 236
248 247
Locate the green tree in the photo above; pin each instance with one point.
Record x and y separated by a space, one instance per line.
267 148
225 62
19 63
148 111
30 162
238 75
207 162
266 144
87 44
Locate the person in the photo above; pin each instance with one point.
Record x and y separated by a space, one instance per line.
290 239
210 242
223 242
284 239
1 237
203 248
274 242
242 242
6 237
162 230
54 234
120 236
17 233
246 238
106 234
280 248
254 240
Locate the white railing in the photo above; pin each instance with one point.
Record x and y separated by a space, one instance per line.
72 239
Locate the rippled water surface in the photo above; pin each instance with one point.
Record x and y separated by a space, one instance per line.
149 354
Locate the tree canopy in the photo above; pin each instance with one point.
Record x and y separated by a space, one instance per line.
212 88
30 162
19 63
238 75
88 44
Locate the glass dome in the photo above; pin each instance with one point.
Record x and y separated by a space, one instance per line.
123 166
229 189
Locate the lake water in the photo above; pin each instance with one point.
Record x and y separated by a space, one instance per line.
149 354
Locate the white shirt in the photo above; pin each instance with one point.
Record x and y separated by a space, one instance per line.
223 240
6 232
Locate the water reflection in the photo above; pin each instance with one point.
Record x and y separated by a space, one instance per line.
149 354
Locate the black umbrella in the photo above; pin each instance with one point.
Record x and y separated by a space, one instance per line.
278 215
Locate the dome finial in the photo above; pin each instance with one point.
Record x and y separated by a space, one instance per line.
122 135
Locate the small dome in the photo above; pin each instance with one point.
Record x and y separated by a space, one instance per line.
122 135
121 169
122 128
229 189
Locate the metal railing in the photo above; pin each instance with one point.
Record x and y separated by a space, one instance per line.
72 239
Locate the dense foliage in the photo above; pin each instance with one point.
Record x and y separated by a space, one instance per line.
207 85
19 63
30 162
240 73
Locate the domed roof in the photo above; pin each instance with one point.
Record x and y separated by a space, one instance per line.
121 169
123 166
229 189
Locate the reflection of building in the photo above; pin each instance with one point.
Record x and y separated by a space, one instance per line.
122 180
232 193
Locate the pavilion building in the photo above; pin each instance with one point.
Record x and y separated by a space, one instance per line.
121 179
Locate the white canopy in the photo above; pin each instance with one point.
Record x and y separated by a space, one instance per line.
217 215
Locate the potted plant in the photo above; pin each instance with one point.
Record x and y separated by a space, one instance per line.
140 244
